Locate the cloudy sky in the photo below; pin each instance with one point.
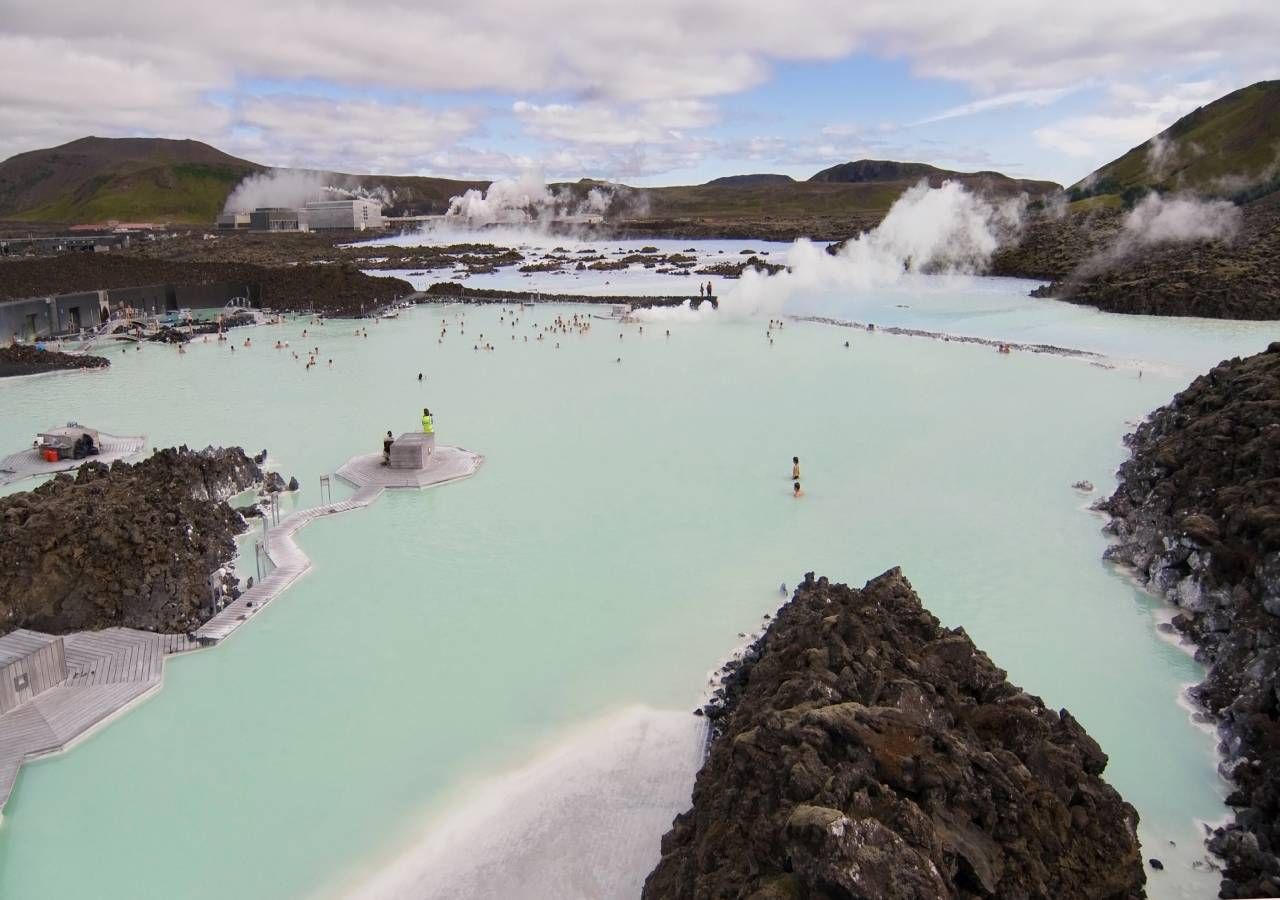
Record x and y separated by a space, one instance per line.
657 92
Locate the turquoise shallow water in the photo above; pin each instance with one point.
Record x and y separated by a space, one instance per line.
630 521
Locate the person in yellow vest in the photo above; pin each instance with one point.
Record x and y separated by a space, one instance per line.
428 427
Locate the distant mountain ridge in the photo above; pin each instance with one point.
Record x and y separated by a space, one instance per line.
97 179
864 170
749 180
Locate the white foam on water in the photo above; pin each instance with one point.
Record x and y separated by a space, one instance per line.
583 821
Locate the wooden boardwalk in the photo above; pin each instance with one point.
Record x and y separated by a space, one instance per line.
106 672
370 478
29 464
109 670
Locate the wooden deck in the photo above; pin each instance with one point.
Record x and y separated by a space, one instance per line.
29 464
109 670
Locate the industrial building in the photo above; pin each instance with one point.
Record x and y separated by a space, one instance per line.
354 214
37 318
276 218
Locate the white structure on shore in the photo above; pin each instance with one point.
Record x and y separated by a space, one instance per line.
352 214
357 213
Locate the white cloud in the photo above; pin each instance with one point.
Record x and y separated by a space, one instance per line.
596 123
1133 115
1030 97
631 86
378 137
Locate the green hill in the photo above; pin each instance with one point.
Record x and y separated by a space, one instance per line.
159 180
130 179
1229 149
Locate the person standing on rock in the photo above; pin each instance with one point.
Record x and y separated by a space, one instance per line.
386 449
428 424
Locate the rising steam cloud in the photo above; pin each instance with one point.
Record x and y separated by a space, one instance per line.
528 201
944 230
1160 220
293 188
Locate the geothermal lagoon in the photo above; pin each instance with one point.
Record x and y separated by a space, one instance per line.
466 665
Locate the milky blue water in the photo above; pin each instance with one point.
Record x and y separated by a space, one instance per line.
631 520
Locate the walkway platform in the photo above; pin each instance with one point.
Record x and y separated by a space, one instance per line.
29 464
108 671
112 669
370 478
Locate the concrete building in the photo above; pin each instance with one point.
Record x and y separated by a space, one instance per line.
37 318
88 243
42 317
276 218
353 214
233 221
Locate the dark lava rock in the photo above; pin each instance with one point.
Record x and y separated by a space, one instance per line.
20 359
293 484
167 335
1089 262
1197 517
861 750
138 545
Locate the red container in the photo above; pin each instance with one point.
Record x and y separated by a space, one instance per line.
50 455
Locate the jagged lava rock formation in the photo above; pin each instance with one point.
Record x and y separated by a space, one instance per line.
19 359
861 750
1197 517
133 545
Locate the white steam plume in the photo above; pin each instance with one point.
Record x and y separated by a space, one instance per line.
945 230
1157 220
528 201
293 188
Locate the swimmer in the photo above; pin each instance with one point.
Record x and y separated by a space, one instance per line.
419 376
796 491
795 468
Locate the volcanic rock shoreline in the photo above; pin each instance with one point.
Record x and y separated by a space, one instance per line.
22 360
140 545
1196 516
861 750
